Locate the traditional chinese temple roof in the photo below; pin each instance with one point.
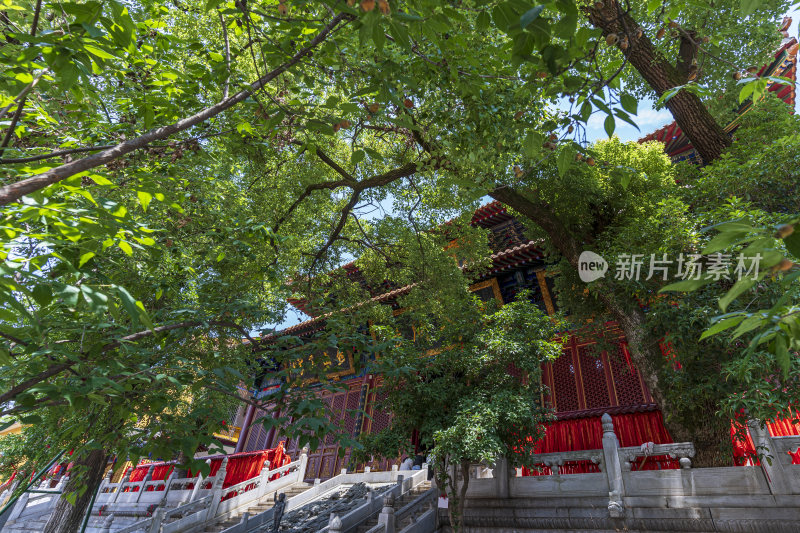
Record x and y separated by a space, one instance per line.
677 145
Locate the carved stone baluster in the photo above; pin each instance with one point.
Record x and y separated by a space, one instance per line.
611 455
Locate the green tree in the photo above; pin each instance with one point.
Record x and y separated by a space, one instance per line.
475 397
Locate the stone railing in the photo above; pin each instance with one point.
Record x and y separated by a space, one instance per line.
38 501
202 499
403 482
617 481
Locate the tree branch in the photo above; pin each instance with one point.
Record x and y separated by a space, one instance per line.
60 367
13 192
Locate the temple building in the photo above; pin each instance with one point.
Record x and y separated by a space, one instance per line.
581 385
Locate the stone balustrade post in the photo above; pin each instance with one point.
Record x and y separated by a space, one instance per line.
8 492
501 478
263 479
19 507
143 486
367 469
63 483
199 483
125 479
244 520
771 463
387 518
155 523
334 524
107 523
216 490
301 469
613 468
106 482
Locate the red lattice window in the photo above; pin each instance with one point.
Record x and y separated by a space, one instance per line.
351 416
336 415
564 388
626 379
593 372
380 419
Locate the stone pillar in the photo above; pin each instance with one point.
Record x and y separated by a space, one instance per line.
771 462
216 489
155 523
387 518
106 482
125 479
263 479
616 486
19 506
147 478
500 475
301 469
107 523
334 524
63 483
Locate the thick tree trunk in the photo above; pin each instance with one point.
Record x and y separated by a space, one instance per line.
645 351
706 135
67 518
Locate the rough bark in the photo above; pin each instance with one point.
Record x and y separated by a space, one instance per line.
706 135
67 518
645 351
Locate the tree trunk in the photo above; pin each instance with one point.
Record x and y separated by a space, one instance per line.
87 472
645 351
706 135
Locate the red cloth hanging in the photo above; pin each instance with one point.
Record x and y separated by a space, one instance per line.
632 429
241 467
744 451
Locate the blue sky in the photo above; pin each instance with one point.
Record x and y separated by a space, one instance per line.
648 119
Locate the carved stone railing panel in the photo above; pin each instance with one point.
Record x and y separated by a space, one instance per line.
683 451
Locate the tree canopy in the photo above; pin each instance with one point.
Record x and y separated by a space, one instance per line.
168 167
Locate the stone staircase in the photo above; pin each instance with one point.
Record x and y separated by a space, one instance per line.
260 506
26 525
407 498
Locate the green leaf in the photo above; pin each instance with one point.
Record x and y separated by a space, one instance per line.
220 257
400 34
629 103
84 258
98 52
686 285
748 7
357 157
565 158
42 294
144 199
722 325
125 247
609 124
747 90
738 288
749 324
792 242
782 354
723 241
483 21
530 15
532 145
100 180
